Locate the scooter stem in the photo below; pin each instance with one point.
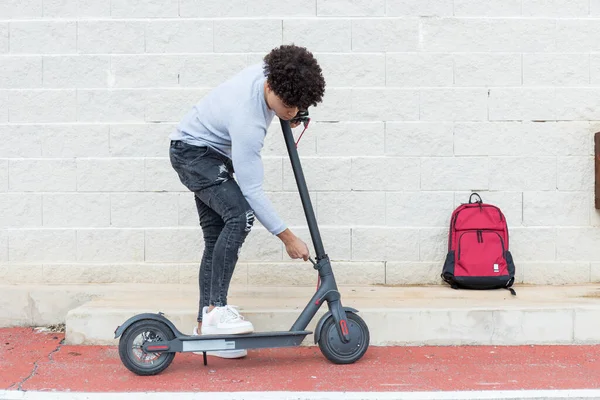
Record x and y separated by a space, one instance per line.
328 291
303 190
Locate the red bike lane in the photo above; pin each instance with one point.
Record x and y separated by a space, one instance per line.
37 361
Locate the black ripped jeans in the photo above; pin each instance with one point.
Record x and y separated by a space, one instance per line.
225 216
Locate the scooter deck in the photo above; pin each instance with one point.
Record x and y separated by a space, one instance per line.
256 340
244 335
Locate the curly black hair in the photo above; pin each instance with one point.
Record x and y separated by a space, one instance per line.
295 76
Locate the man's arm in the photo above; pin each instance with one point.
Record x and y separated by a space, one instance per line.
246 145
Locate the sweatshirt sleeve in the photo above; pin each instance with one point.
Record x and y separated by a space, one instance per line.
247 141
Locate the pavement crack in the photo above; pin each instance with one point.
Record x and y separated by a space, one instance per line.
36 366
31 375
56 350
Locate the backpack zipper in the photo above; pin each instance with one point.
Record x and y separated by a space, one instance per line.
453 223
480 207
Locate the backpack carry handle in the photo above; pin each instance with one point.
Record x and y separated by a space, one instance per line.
475 194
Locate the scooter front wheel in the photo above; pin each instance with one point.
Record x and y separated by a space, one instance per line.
338 352
131 349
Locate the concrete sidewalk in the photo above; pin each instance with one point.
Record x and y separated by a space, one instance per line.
417 315
33 361
406 315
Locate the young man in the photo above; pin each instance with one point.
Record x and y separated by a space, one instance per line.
224 133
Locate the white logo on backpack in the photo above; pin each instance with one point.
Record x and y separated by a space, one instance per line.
496 269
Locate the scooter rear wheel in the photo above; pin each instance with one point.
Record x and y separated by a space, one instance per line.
338 352
132 354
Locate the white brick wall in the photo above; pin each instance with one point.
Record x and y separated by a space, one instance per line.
426 101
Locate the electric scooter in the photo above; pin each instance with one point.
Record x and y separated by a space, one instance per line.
149 341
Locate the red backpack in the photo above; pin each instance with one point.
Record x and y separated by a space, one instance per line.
478 253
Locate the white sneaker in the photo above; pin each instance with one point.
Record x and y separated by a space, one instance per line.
225 321
223 353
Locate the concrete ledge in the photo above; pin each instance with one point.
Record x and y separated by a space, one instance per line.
433 315
35 305
430 315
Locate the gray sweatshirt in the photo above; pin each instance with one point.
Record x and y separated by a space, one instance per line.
233 119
